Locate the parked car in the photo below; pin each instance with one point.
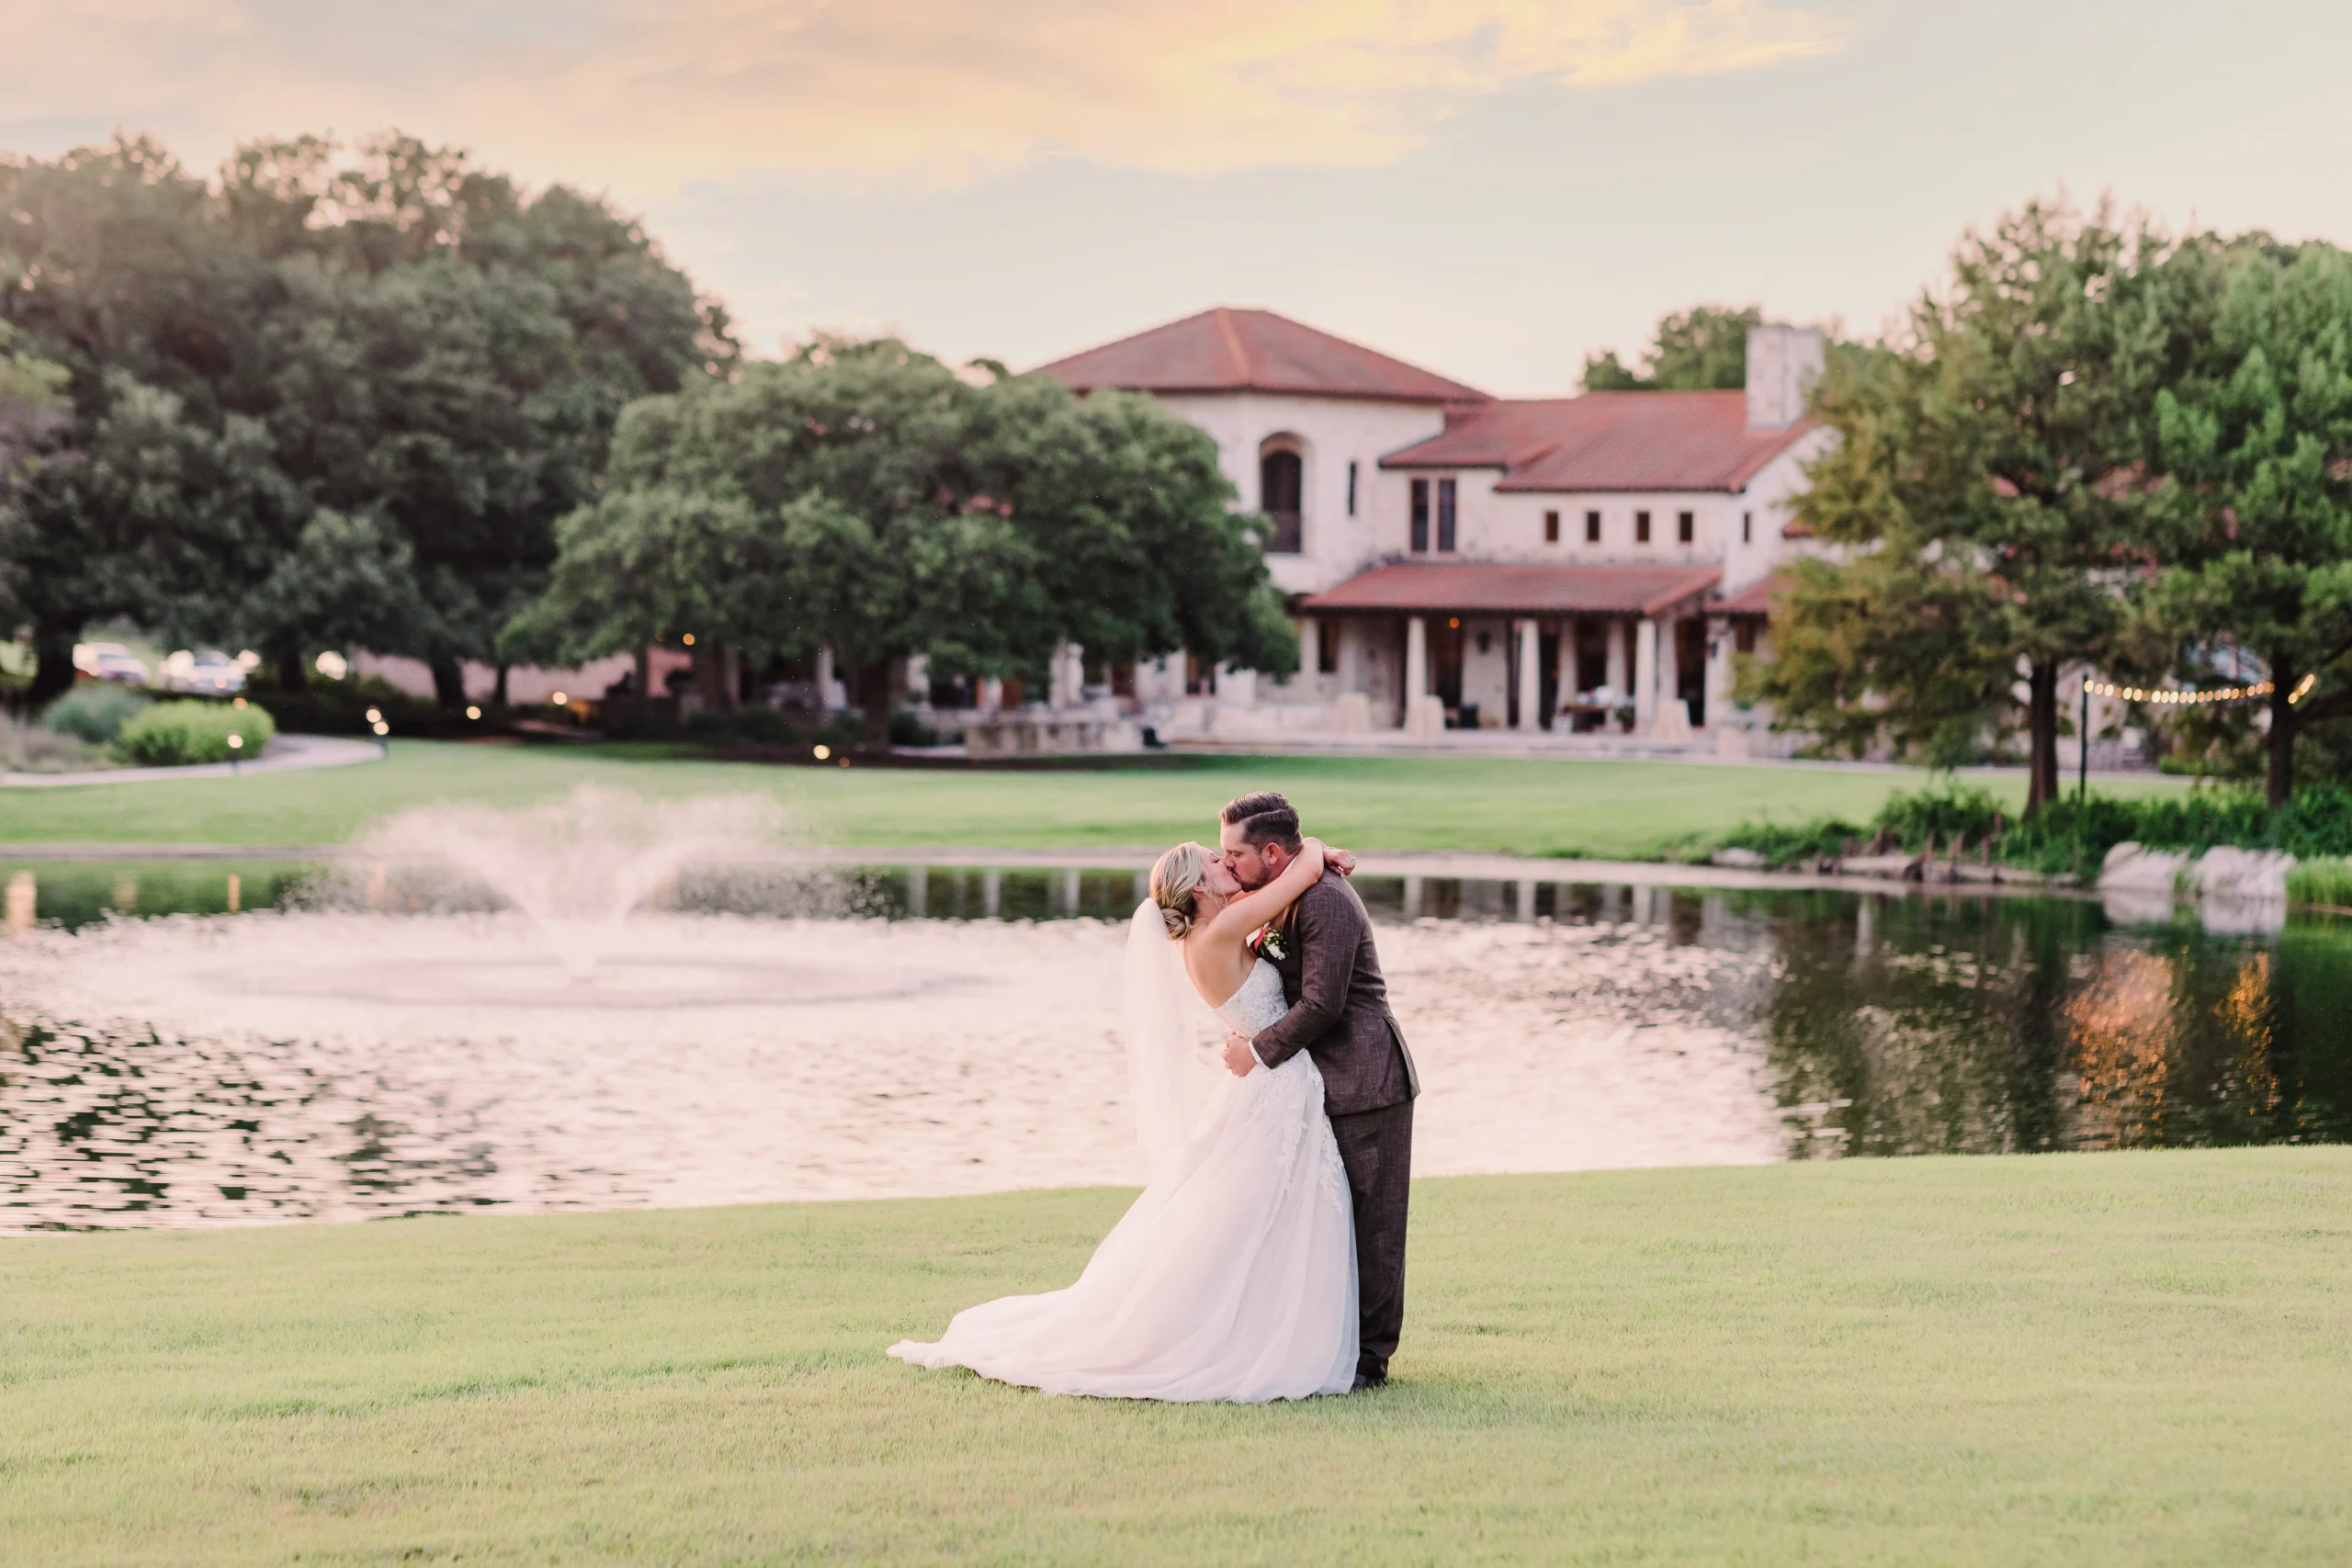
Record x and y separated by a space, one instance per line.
212 672
109 662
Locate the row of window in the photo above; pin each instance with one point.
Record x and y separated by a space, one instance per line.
1282 476
1685 526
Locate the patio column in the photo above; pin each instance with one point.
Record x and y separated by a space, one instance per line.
1669 670
1719 671
825 678
1424 715
1644 674
1530 677
1620 688
1310 652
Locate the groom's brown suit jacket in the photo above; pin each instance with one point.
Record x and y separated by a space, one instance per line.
1338 1005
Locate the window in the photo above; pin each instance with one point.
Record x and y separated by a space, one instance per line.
1420 514
1551 528
1445 514
1685 527
1641 527
1351 487
1746 529
1281 479
1592 527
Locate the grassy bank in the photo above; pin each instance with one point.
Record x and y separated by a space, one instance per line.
2093 1359
1596 810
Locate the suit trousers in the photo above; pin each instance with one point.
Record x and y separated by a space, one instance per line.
1376 1149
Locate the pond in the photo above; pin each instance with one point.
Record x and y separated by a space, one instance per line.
207 1044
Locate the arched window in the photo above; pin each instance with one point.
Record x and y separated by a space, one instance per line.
1282 486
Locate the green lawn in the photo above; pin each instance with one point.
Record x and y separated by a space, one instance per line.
2110 1358
1596 810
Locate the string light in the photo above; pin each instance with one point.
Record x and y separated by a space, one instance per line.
2163 697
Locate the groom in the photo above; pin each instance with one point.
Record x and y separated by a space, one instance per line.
1339 1014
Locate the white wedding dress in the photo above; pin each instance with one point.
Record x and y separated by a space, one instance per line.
1232 1277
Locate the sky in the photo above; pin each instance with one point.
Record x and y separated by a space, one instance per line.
1491 188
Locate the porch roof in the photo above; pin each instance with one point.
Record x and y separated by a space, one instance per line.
1756 599
1491 589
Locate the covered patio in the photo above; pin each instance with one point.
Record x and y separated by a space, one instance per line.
1629 650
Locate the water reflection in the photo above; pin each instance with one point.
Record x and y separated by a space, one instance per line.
947 1028
1929 1026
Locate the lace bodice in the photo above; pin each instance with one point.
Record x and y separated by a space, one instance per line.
1257 1003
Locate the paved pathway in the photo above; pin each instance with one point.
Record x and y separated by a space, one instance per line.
287 753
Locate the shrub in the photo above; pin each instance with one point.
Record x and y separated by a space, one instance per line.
1779 843
1939 815
2072 835
2326 880
93 711
909 729
176 735
30 749
340 707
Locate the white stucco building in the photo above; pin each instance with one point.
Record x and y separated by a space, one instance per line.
1584 564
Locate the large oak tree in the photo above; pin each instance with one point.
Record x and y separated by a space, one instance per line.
1987 500
863 497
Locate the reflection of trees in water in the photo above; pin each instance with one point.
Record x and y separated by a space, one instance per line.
1924 1025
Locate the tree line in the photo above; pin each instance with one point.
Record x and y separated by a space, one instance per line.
2098 445
379 397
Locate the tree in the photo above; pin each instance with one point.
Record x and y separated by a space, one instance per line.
1988 495
148 511
863 497
1698 350
431 355
457 359
2255 455
33 407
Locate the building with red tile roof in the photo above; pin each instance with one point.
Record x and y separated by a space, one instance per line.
1460 559
1229 350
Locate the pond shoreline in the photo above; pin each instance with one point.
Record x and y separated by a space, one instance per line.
1374 863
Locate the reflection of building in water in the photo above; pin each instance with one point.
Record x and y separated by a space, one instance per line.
2156 1065
2121 1027
2248 1018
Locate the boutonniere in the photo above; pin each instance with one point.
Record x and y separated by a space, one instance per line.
1271 945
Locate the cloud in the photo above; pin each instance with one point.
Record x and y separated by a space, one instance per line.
638 97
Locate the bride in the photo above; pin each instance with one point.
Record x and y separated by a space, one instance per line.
1234 1276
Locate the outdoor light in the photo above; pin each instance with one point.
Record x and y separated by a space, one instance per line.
236 750
381 727
239 702
472 712
690 639
823 752
560 699
334 665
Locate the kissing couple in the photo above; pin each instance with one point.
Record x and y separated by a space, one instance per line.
1266 1257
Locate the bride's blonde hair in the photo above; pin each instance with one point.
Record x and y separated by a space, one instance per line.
1175 879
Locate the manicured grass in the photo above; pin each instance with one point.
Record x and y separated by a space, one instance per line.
1596 810
2066 1358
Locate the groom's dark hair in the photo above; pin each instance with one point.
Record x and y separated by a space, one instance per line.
1264 819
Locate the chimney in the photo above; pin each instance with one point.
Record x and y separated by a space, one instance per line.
1783 363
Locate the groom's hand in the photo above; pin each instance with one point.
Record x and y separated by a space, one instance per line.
1238 1058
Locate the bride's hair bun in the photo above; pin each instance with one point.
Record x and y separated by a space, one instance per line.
1174 881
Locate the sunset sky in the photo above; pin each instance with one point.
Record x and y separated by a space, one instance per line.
1489 187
